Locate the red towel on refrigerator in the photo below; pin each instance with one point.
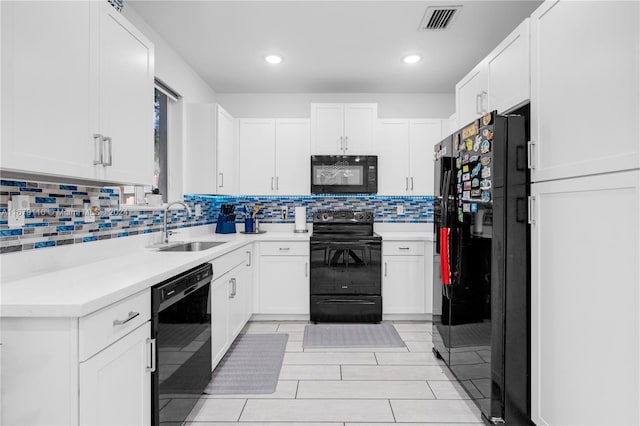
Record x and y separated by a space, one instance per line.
445 270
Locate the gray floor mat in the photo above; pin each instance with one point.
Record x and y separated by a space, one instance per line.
351 336
251 365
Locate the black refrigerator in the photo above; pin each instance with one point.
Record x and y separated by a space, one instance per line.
482 266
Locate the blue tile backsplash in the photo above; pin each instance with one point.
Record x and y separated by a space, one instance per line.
58 214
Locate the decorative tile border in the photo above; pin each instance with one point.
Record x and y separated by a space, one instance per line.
60 214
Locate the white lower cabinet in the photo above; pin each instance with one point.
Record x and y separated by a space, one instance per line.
283 280
92 370
406 277
584 283
115 385
231 299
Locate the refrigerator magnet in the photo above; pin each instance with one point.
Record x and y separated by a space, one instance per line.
486 196
475 183
475 193
486 119
466 208
485 161
486 172
476 145
469 145
466 195
487 134
467 185
465 168
485 184
474 158
466 177
474 207
486 147
458 163
476 170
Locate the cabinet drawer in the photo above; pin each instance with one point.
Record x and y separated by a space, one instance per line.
102 328
224 264
402 248
284 248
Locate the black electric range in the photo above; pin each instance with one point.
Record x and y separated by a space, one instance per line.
346 267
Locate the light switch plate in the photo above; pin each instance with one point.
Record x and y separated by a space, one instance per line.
399 209
198 210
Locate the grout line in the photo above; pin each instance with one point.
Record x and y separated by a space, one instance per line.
392 413
341 372
431 389
242 411
297 387
376 358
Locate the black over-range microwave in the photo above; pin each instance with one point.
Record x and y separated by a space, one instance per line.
344 174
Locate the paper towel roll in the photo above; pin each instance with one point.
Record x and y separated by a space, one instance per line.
301 219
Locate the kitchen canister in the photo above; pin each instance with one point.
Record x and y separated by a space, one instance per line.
301 219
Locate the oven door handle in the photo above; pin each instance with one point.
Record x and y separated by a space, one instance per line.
349 301
346 243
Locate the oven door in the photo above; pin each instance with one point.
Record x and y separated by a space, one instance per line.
344 174
346 267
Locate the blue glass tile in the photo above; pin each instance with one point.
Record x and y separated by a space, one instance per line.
104 225
35 225
106 190
46 200
69 187
80 193
10 232
4 222
91 238
64 228
134 222
43 244
64 219
12 183
147 231
30 190
122 234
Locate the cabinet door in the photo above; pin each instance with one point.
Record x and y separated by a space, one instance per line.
423 135
471 94
585 90
327 129
200 149
284 285
220 292
257 140
45 89
359 123
227 150
115 386
293 157
392 148
508 71
126 93
403 285
584 283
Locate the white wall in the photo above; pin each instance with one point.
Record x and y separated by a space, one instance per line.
178 75
296 105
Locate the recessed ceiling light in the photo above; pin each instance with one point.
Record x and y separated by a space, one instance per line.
273 59
411 59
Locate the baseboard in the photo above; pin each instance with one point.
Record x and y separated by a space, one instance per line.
279 317
407 317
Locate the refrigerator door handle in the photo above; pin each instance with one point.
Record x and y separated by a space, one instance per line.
445 270
530 216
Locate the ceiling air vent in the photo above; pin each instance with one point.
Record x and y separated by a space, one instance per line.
438 17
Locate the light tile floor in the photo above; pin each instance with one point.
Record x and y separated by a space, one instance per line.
350 387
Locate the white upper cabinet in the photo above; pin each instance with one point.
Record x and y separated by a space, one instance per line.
405 153
72 70
585 90
471 95
499 82
508 71
227 152
342 129
126 95
293 157
210 157
257 138
274 156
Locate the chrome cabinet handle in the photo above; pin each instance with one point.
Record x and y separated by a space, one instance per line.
285 248
530 216
403 248
152 347
277 183
97 146
131 316
109 143
412 183
306 269
478 101
235 287
484 97
530 152
346 143
232 294
249 258
385 269
341 143
406 184
272 183
221 175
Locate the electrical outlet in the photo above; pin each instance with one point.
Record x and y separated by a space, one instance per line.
198 210
399 209
284 213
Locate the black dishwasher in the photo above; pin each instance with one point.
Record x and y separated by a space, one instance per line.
181 327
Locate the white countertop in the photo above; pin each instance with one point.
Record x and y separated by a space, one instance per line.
80 290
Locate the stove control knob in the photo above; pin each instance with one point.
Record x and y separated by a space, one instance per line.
360 216
325 216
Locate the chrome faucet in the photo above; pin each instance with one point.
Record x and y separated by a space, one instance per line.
165 231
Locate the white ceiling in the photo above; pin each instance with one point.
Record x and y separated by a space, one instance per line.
330 46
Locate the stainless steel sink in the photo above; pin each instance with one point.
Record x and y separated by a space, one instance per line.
193 246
